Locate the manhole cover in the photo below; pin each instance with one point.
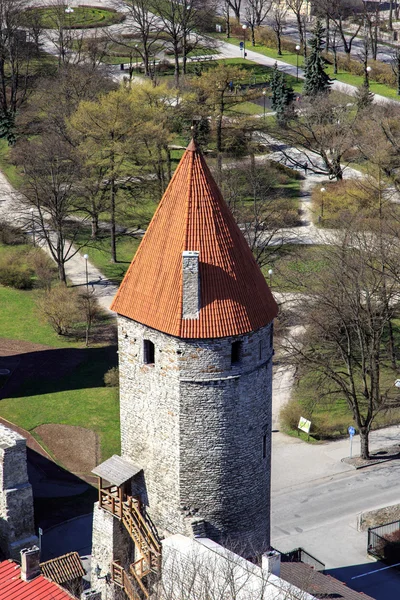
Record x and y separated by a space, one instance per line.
4 371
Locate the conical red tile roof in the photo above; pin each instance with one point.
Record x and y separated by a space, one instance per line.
192 215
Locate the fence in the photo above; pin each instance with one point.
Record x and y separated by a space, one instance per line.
300 555
384 542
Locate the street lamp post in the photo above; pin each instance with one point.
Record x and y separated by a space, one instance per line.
136 54
264 96
297 62
86 256
244 27
33 227
323 190
366 76
270 273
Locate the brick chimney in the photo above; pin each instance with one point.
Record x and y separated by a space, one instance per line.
190 285
30 559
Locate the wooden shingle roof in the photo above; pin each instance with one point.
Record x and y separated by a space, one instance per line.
63 568
192 215
116 470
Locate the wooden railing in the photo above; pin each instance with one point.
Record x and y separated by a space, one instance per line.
146 543
121 578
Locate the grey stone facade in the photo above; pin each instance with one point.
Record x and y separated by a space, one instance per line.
110 541
199 426
17 529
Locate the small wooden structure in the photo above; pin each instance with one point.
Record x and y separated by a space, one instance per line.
115 484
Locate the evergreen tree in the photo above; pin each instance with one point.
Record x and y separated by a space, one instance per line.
282 95
364 97
317 80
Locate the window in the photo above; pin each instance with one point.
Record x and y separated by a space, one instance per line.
148 352
236 352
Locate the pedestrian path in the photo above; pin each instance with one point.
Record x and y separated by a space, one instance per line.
228 50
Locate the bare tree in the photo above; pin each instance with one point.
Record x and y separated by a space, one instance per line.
146 28
297 7
324 131
279 11
236 7
254 198
50 176
340 12
371 23
348 317
256 13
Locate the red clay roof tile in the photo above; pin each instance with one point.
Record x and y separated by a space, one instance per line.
192 215
13 588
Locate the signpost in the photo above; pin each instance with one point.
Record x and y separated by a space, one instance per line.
351 431
304 425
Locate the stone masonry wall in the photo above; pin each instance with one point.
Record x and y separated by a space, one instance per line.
110 542
149 406
16 501
225 440
200 427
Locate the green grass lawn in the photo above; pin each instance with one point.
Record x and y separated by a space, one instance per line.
81 17
293 265
329 412
291 58
13 174
80 399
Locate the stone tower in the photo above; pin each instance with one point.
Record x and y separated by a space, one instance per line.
195 349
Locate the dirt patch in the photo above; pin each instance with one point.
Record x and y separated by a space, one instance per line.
76 448
381 516
378 456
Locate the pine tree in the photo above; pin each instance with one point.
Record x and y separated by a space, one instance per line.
282 95
317 80
364 97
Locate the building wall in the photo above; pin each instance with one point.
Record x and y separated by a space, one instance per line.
200 428
17 529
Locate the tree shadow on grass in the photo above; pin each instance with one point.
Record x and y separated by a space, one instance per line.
55 370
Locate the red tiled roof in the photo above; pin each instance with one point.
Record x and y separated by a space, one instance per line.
192 215
13 588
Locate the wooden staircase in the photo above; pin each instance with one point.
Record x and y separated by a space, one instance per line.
148 549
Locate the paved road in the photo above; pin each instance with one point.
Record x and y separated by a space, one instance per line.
316 499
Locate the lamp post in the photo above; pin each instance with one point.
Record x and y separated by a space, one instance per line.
86 256
270 273
264 96
244 27
136 53
366 76
33 227
297 62
323 190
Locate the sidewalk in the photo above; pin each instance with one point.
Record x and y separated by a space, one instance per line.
231 51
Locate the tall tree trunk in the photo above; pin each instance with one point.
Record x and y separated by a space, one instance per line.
112 221
278 37
253 36
364 442
391 15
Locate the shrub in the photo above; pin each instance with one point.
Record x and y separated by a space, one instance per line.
290 414
43 267
111 378
60 307
14 273
11 236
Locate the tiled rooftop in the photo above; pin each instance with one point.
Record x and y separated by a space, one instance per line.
13 588
192 215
